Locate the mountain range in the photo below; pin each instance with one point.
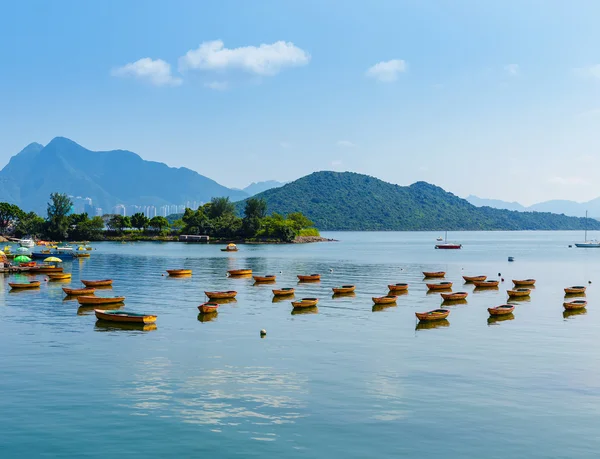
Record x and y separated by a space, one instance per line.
351 201
557 206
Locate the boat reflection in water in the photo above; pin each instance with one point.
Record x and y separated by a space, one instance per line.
283 299
223 300
89 310
308 310
494 320
104 326
454 302
383 307
343 295
429 324
207 316
568 313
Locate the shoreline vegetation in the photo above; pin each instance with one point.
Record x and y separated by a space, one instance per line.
216 219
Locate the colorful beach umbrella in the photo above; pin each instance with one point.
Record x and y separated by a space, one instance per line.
52 260
22 259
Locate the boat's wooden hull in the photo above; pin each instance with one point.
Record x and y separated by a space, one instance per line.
398 287
440 286
179 272
208 308
523 282
79 291
486 284
474 278
519 293
574 305
305 303
87 300
284 292
438 314
239 272
24 285
221 295
309 278
501 310
59 276
344 289
125 317
264 279
97 283
576 290
45 270
434 274
385 299
454 296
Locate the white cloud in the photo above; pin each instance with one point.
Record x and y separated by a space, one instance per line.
217 85
571 181
266 60
590 71
387 71
512 69
345 144
156 72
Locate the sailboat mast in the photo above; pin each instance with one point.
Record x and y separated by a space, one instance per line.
586 222
446 236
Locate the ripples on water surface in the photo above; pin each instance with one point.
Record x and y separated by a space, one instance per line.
347 381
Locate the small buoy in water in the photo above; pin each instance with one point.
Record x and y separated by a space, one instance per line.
570 246
589 282
499 274
263 333
330 270
502 279
45 279
162 275
511 258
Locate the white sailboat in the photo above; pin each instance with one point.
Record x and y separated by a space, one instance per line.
27 242
448 245
591 244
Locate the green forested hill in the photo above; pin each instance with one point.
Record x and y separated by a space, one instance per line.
350 201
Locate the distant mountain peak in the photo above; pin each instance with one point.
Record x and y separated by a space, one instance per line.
259 187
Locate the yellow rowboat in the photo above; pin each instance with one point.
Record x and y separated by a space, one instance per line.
85 299
221 295
208 308
576 289
577 304
239 272
388 299
284 291
474 278
309 278
440 286
501 310
454 296
398 287
23 285
179 272
305 303
124 317
59 276
486 284
45 269
436 314
344 289
230 248
97 283
264 279
434 274
519 293
79 291
523 282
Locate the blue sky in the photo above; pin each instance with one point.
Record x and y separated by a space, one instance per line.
497 99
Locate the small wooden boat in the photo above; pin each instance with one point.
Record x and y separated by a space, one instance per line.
501 310
523 282
388 299
344 289
486 284
28 264
179 272
124 316
284 291
207 308
264 279
45 269
221 295
440 286
97 283
436 314
474 278
23 285
398 287
454 296
576 304
59 276
230 248
89 299
305 303
81 255
519 293
309 278
576 289
239 272
434 274
79 291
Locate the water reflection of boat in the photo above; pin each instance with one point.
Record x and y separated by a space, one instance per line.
485 289
306 310
495 319
207 316
280 299
344 295
383 307
454 302
573 312
428 325
89 309
104 326
223 300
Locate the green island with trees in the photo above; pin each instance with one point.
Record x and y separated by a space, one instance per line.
216 219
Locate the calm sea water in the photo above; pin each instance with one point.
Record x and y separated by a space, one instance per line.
349 381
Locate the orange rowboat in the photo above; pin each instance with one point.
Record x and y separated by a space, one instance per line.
284 291
577 304
388 299
45 270
519 283
433 274
239 272
264 279
398 287
97 283
17 285
344 289
436 314
123 316
486 284
100 300
305 303
519 293
454 296
309 278
474 278
79 291
179 272
221 295
207 308
501 310
440 286
59 276
576 289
